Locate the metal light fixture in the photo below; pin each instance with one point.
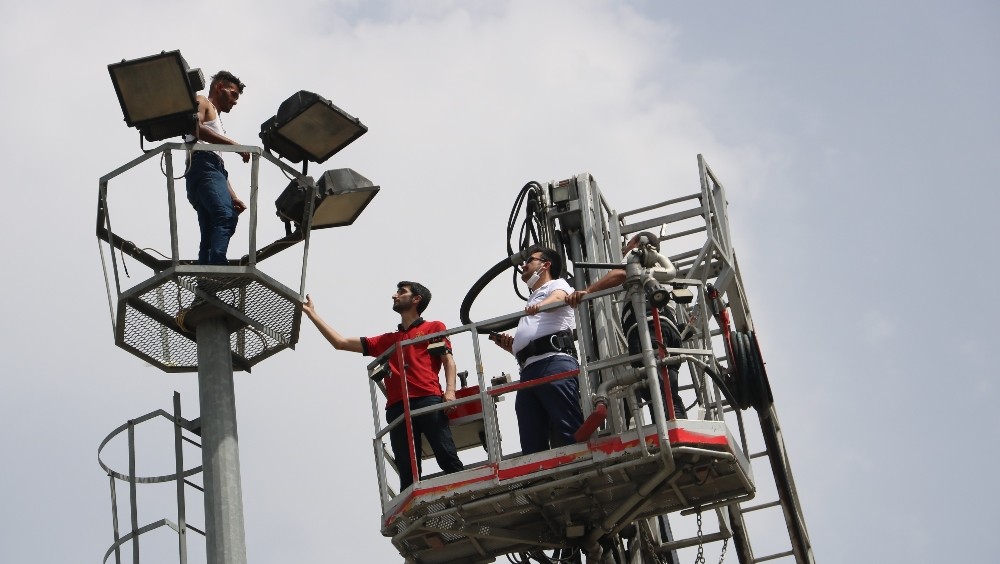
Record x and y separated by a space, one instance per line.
342 195
563 192
309 127
157 94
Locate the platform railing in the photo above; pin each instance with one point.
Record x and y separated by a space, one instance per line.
489 395
144 312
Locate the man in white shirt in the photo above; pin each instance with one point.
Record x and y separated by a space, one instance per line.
547 414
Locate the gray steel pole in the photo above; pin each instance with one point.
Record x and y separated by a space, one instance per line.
225 537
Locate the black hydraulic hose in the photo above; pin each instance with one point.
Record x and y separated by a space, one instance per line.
528 231
496 270
729 397
527 198
722 387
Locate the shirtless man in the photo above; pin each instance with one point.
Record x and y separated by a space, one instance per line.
208 186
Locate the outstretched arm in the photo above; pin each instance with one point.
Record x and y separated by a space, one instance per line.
610 280
338 341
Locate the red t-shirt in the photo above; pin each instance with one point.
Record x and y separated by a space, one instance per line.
422 368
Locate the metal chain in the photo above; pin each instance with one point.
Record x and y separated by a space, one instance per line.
647 542
700 558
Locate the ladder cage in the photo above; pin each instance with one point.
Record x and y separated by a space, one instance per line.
184 432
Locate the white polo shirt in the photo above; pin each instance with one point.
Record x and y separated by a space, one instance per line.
545 323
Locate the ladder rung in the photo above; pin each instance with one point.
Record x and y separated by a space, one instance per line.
774 556
758 454
761 506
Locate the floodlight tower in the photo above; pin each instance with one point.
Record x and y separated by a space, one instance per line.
189 317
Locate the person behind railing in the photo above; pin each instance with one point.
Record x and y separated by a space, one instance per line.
422 381
208 186
547 414
668 322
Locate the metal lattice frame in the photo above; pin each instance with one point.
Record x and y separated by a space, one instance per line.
263 313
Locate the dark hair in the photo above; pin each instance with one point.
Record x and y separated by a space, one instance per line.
418 289
226 76
549 255
650 238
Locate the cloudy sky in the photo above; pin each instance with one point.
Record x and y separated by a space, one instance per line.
855 141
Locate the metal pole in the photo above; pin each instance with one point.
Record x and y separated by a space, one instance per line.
494 453
172 208
179 469
224 535
133 510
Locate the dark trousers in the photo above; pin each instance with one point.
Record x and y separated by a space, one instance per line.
548 414
432 425
208 191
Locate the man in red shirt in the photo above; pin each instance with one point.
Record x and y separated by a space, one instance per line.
423 386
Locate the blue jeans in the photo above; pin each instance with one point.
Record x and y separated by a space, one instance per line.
208 191
432 425
548 414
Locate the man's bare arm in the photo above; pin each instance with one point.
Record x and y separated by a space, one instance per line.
450 371
205 110
610 280
556 296
237 202
338 341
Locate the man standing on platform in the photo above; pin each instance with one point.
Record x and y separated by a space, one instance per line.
548 414
208 186
422 382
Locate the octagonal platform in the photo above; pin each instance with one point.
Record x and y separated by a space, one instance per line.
263 315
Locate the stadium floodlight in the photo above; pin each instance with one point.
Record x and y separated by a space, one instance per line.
157 94
342 195
309 127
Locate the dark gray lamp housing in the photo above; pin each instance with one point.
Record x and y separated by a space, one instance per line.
309 127
343 195
157 94
563 192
